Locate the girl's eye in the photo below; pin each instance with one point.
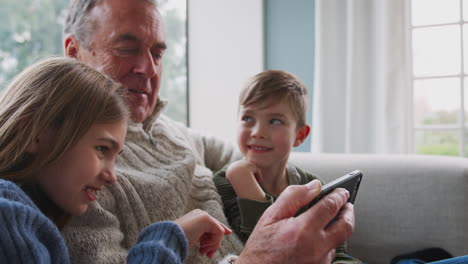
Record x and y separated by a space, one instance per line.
102 148
276 122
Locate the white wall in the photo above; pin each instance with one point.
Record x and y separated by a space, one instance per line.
225 39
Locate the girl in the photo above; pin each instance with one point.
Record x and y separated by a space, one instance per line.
62 125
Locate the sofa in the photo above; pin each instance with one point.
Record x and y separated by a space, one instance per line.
405 202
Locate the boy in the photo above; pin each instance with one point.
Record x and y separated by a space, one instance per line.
272 112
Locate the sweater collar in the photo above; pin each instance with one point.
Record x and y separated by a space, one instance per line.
158 109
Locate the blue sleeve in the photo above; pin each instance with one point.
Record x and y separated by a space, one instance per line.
162 242
26 235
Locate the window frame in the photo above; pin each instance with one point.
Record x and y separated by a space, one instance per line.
461 128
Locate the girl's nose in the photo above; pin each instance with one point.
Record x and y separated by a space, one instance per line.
109 176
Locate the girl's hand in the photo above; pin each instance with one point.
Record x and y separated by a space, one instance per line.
200 227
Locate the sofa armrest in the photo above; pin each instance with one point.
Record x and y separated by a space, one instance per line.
405 202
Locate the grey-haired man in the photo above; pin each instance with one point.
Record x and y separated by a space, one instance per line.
165 170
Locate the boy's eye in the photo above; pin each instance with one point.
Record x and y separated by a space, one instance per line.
246 118
276 122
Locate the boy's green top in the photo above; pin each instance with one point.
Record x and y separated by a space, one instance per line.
243 214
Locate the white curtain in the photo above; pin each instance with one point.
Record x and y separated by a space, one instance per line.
361 97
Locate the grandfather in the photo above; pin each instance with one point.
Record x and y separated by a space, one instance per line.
165 169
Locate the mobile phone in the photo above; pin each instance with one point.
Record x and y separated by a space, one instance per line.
350 182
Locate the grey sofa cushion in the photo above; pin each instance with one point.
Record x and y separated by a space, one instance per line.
405 203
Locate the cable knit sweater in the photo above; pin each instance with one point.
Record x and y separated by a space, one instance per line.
164 172
28 236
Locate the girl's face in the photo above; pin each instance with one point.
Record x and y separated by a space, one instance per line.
73 180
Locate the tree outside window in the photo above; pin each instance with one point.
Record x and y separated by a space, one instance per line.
440 69
32 29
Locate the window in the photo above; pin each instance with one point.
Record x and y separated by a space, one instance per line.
31 30
174 82
439 36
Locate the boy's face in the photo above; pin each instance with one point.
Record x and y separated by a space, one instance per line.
268 132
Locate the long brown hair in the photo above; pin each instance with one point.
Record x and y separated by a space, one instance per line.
58 94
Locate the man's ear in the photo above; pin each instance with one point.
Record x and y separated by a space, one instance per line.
71 46
302 135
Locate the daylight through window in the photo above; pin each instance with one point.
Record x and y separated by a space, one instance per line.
439 36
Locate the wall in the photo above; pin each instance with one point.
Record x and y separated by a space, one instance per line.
232 40
289 43
225 40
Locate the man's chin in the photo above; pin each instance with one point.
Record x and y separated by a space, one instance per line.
139 116
138 108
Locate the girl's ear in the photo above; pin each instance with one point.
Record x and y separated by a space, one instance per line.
302 135
39 143
33 147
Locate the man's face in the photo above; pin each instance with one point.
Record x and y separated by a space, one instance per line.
128 44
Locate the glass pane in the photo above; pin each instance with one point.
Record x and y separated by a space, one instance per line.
466 141
436 50
29 30
429 12
174 80
28 34
465 10
437 143
465 46
465 102
436 101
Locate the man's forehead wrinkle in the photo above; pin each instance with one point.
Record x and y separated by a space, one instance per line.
119 12
142 30
126 37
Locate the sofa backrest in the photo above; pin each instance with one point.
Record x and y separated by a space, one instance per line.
405 202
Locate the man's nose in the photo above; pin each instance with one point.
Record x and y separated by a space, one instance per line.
146 64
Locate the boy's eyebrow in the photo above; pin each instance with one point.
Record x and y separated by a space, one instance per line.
248 111
245 111
277 114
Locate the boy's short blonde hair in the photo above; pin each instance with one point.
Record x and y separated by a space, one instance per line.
273 86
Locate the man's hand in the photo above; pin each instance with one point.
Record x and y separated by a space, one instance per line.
244 176
281 238
200 227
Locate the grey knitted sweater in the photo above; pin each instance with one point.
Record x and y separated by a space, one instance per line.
164 172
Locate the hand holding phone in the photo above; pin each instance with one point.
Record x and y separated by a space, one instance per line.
350 182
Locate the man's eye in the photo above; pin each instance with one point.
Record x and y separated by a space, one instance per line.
276 122
157 55
127 50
